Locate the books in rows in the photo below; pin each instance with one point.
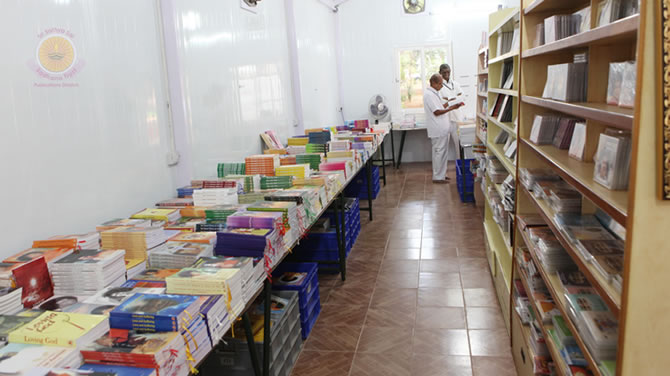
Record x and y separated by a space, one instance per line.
508 41
621 84
562 26
87 271
530 176
256 219
215 196
90 240
61 329
151 277
507 76
50 255
135 240
567 82
598 327
121 222
162 351
19 359
612 159
177 255
10 300
154 312
612 10
206 281
250 272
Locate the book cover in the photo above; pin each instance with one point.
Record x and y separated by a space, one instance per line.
585 302
90 309
11 323
155 274
222 262
91 256
56 329
58 303
31 254
131 346
35 280
116 295
156 306
194 237
111 370
603 326
17 358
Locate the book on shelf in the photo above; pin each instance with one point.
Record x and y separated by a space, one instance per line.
507 75
544 129
501 138
621 84
578 142
574 282
564 132
61 329
568 82
540 38
498 104
612 159
612 10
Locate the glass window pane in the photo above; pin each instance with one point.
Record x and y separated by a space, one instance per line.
435 57
411 87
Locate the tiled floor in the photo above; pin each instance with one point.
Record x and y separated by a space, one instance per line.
418 299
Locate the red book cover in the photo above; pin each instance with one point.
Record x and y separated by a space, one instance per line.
35 280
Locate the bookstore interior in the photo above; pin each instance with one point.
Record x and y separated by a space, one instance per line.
215 187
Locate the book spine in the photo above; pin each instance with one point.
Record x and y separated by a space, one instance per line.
119 358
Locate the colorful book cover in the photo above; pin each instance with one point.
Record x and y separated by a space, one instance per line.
160 312
17 358
155 274
130 345
116 295
154 213
110 370
91 256
222 262
184 249
586 302
58 303
31 254
194 237
603 247
10 323
56 329
35 280
90 308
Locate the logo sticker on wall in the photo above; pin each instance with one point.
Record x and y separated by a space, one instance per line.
56 59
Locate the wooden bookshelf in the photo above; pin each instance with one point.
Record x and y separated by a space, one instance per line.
607 292
580 175
483 72
497 150
553 350
614 116
619 31
541 6
553 284
507 127
503 57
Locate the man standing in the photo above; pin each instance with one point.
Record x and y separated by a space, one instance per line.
451 90
439 126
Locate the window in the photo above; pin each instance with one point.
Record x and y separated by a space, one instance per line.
415 66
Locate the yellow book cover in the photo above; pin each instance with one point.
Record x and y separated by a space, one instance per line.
56 329
153 213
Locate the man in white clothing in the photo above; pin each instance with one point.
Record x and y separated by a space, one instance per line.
439 126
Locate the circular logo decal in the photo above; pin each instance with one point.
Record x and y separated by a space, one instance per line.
56 54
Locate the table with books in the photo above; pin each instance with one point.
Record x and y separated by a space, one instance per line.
154 294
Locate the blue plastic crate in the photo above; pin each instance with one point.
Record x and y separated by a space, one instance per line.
310 284
308 324
459 167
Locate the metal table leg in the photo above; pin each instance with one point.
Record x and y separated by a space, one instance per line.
252 345
267 286
338 232
392 148
384 163
402 145
369 171
343 239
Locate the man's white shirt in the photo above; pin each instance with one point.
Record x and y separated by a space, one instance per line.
437 126
452 90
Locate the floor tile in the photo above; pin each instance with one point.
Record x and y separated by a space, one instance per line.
473 264
438 253
350 294
440 297
489 342
393 297
317 363
402 253
400 266
472 252
499 366
441 365
399 280
480 297
344 314
369 364
394 317
440 317
440 342
385 340
333 337
480 279
446 265
485 318
442 280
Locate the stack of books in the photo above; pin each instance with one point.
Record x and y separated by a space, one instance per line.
544 129
22 359
298 140
208 184
598 327
177 255
6 276
563 198
105 369
339 145
163 352
61 329
320 138
220 213
89 240
50 255
150 278
255 219
287 160
194 237
298 170
262 164
293 216
10 301
185 224
567 82
216 315
208 281
530 176
551 253
126 222
276 182
154 312
87 271
612 159
316 148
562 26
216 196
175 202
574 282
296 149
155 214
247 242
135 240
185 192
621 84
244 265
225 169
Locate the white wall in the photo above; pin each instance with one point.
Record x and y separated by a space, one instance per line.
236 78
72 157
372 30
315 32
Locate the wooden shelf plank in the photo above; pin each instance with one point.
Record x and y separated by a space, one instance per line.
580 175
607 292
482 116
497 243
503 57
553 285
498 152
511 92
482 94
483 72
623 29
538 6
611 115
482 50
553 350
508 127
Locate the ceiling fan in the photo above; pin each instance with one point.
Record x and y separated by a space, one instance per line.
414 6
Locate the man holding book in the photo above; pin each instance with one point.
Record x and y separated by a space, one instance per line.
451 91
440 129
